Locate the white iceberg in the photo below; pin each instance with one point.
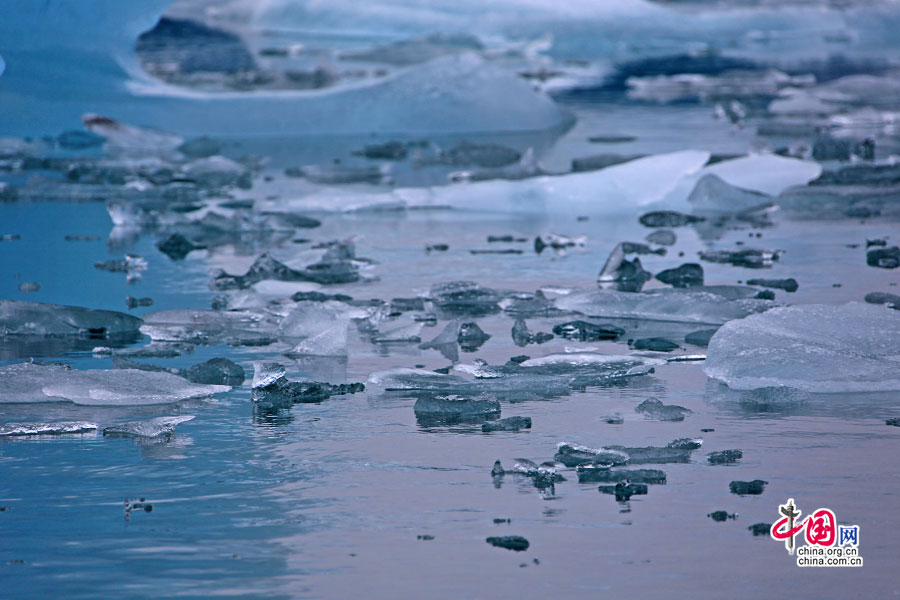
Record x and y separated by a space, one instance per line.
812 347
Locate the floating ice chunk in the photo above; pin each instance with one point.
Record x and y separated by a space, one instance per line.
573 455
669 304
36 318
331 341
814 347
310 318
440 410
766 173
713 195
58 428
795 101
241 327
405 332
30 382
266 373
124 139
150 428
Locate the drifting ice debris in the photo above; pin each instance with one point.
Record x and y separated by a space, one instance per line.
884 258
216 371
668 218
625 275
700 337
572 455
522 336
465 298
751 258
590 474
524 305
712 195
623 491
584 331
889 300
29 286
653 454
892 422
748 488
216 172
758 529
176 246
637 248
131 302
337 174
271 389
812 347
404 333
667 304
653 408
58 428
29 382
451 409
655 344
558 242
685 276
788 285
601 161
721 515
686 443
830 148
508 424
511 542
151 428
392 150
35 318
869 175
132 265
251 327
465 154
125 140
663 237
724 457
471 337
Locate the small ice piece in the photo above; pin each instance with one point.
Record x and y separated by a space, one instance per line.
700 337
29 286
583 331
238 327
465 298
685 276
623 491
625 275
215 371
329 342
150 428
456 409
653 408
712 195
751 258
663 237
471 337
132 302
128 140
30 382
217 172
515 543
884 258
788 285
35 318
668 304
654 454
572 455
655 344
590 474
751 488
58 428
724 457
812 347
668 218
177 246
686 443
266 373
508 424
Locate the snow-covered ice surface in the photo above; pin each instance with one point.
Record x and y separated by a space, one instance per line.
394 194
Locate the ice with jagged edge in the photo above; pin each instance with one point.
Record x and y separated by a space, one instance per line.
42 428
31 382
149 428
39 319
813 347
690 305
619 189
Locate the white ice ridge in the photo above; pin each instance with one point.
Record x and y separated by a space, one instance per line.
65 59
619 189
810 347
30 382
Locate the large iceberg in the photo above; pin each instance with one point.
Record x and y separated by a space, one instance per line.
812 347
64 59
32 382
